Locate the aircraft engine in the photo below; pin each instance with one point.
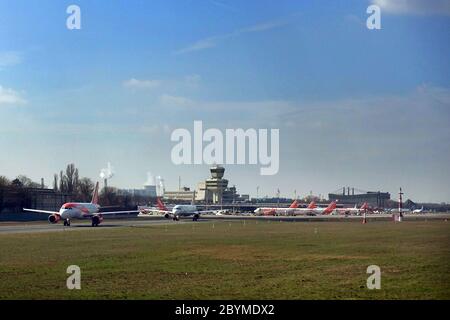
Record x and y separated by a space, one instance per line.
54 218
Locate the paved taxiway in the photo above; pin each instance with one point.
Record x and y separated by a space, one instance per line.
32 227
36 227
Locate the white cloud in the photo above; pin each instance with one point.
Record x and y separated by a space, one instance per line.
10 58
213 41
243 109
175 101
425 7
10 97
192 80
141 84
263 26
424 110
203 44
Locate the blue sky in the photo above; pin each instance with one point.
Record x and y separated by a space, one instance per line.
355 107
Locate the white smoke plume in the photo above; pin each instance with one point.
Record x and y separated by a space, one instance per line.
150 180
108 172
160 187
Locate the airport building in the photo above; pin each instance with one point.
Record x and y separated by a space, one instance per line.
213 190
183 195
375 199
216 186
14 199
148 191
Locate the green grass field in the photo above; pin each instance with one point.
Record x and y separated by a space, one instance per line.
222 260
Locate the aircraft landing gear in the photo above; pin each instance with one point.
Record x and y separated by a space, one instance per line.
176 218
67 223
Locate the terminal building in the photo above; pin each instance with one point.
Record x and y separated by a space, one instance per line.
185 195
375 199
148 191
213 190
15 199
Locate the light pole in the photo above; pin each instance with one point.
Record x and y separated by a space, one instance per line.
400 205
278 196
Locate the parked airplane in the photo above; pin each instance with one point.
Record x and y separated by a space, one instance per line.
396 210
79 210
293 210
276 211
354 210
418 210
327 210
180 210
154 210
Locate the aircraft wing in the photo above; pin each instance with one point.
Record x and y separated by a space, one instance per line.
40 211
156 210
115 212
208 211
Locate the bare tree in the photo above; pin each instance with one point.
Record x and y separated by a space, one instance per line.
70 177
108 196
62 187
85 189
55 182
27 182
4 181
76 180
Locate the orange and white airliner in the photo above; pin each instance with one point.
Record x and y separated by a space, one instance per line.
295 210
354 210
264 211
79 210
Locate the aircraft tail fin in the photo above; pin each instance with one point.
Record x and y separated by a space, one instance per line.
160 204
330 208
312 205
95 195
294 204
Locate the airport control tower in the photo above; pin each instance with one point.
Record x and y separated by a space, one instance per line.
216 185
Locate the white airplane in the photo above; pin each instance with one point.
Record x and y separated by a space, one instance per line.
222 212
354 210
327 210
265 211
418 210
79 210
295 210
404 210
180 210
312 209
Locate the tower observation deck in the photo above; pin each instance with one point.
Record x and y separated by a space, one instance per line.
216 185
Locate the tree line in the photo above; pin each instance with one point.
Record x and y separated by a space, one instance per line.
69 182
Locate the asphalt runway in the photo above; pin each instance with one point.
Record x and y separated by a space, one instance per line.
38 227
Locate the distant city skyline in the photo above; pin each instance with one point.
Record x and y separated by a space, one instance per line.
363 108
